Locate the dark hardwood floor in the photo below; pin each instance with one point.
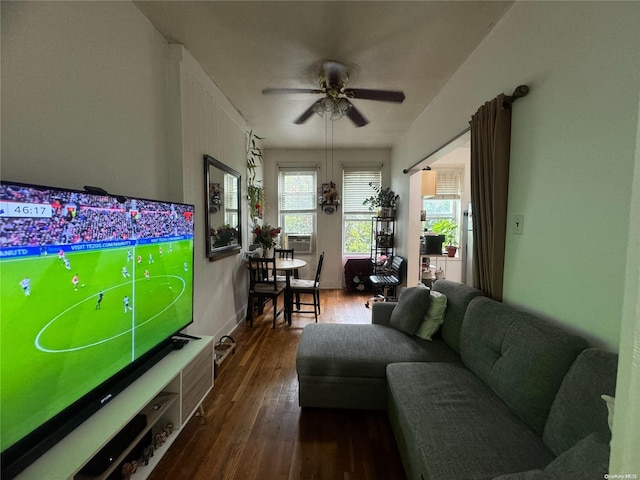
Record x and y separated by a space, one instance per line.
253 427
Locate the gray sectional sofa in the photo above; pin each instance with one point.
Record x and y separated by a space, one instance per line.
496 394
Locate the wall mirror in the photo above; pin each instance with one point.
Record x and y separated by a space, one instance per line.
222 191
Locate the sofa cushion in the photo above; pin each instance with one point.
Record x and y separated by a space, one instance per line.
362 350
528 475
448 424
458 297
586 460
521 357
578 409
434 317
409 312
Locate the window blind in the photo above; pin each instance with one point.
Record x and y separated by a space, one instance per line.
230 192
297 190
449 183
355 185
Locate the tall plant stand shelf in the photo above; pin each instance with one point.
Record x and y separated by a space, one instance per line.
382 240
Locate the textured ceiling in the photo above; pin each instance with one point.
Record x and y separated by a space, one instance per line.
246 46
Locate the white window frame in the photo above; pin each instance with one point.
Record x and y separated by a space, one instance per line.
448 187
309 209
231 200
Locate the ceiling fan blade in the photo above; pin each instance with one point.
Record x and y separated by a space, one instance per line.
356 117
380 95
306 114
268 91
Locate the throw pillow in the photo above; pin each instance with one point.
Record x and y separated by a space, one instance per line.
434 316
410 309
611 404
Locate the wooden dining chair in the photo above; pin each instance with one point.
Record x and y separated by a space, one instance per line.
286 254
298 287
263 284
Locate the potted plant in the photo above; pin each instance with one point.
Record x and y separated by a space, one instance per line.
255 191
223 236
265 235
385 200
447 228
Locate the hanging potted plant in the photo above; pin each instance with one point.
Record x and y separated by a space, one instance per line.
447 228
255 191
385 200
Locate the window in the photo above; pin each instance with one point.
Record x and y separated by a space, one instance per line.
446 203
356 229
297 207
231 200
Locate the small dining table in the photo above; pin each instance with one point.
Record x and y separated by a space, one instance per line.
288 265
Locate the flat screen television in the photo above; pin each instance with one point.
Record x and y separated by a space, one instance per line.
93 287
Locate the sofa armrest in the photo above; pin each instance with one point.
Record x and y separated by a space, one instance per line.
381 312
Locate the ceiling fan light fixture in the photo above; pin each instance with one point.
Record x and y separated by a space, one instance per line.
343 105
318 108
333 77
327 104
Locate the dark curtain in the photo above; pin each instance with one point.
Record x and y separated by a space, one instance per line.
490 149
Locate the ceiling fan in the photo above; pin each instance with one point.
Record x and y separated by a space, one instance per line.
333 77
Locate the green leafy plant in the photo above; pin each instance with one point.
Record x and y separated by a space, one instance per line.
224 235
384 198
447 228
255 191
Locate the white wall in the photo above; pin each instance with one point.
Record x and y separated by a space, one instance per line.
209 125
572 163
626 428
329 227
92 94
573 142
82 105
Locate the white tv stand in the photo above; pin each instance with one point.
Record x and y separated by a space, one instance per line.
170 392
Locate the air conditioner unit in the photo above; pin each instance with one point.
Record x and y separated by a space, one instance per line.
300 242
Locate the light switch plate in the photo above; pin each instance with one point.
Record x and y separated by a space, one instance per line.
518 224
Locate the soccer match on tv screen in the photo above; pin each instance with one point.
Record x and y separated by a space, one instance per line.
90 283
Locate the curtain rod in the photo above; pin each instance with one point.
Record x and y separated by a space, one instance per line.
406 170
519 92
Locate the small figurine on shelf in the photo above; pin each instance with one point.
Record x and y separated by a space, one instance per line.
167 428
128 469
160 438
147 453
329 194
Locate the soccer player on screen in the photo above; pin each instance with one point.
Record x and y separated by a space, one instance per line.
125 273
100 296
75 280
25 283
146 275
127 307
